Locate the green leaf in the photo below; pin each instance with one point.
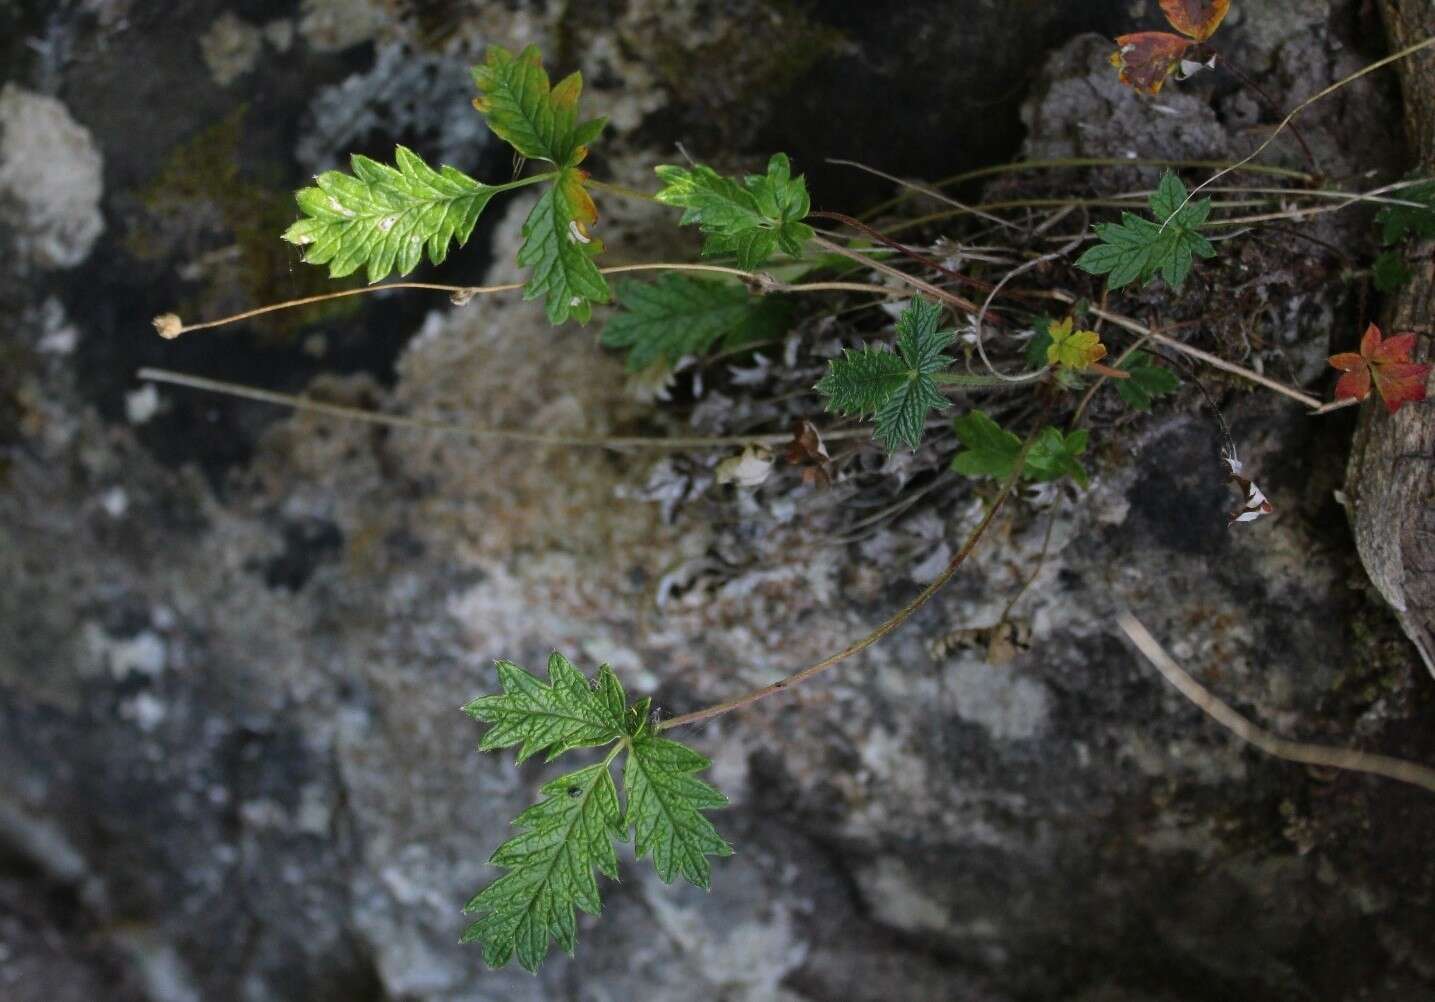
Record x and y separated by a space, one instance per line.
1136 248
991 451
563 837
665 805
1053 456
382 218
750 219
1396 222
1147 381
1391 271
550 869
559 250
898 389
523 111
678 315
566 713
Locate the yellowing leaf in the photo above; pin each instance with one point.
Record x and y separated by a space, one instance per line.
1197 18
1147 58
1073 350
522 110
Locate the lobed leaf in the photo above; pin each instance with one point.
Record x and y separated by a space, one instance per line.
1147 58
564 714
1138 248
1397 222
665 805
991 450
1053 456
560 252
550 870
383 218
1147 381
897 389
677 315
749 219
520 107
1074 350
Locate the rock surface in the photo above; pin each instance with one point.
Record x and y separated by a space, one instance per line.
231 760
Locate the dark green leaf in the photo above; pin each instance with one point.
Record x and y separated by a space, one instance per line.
665 805
1390 271
1396 222
678 315
1137 248
897 388
550 869
991 451
1147 381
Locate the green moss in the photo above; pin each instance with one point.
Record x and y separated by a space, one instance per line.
201 192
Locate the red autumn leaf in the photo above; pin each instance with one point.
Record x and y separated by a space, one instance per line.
1197 18
1147 58
1386 363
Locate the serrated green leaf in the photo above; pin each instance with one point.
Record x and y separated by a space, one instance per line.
564 714
550 866
1053 456
665 805
750 219
383 218
991 451
897 389
1136 248
560 251
1147 381
538 121
678 315
571 830
1396 222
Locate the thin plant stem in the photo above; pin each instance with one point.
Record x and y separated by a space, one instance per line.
1322 756
1394 57
1215 361
169 326
615 442
857 646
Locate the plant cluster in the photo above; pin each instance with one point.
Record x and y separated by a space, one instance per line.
384 219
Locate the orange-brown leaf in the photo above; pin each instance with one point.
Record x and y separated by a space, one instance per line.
1384 363
1147 58
1197 18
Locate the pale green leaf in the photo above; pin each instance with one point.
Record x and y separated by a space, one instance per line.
383 218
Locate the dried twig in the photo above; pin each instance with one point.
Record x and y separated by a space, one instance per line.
1291 751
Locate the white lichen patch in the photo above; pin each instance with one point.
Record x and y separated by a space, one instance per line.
231 47
51 180
1007 703
899 900
333 25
